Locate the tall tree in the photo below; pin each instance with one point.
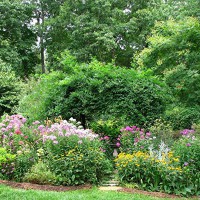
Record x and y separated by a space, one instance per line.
43 11
17 39
173 54
105 29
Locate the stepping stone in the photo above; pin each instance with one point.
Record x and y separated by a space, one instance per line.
110 188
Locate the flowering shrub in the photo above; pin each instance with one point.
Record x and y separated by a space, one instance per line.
157 167
71 153
188 149
155 172
75 155
134 139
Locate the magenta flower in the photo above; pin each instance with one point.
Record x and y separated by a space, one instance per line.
128 128
136 140
148 134
188 144
118 144
36 122
106 137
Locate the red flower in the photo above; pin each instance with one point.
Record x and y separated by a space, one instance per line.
18 132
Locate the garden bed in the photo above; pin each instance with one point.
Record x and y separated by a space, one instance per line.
31 186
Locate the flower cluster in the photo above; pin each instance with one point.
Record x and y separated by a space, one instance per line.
134 139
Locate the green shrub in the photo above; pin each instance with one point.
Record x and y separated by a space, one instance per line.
182 117
163 131
38 99
10 87
76 161
40 174
188 150
7 165
91 92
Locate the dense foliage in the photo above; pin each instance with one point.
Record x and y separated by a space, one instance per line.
108 64
10 87
96 91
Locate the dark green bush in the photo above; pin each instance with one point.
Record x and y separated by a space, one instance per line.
9 89
182 117
91 92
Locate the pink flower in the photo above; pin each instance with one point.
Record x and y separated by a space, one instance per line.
188 144
106 137
148 134
142 137
128 128
18 132
136 140
36 122
118 144
21 142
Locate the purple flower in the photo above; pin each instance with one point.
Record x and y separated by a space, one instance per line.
118 144
36 122
185 163
128 128
188 144
136 140
3 130
148 134
106 137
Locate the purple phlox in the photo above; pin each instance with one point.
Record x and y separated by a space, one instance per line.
187 132
188 144
106 137
128 128
148 134
36 122
118 144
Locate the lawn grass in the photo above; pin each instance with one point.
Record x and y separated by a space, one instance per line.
8 193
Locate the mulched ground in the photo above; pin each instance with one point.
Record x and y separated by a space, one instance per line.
29 186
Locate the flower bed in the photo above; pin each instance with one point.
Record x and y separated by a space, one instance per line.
174 169
56 153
